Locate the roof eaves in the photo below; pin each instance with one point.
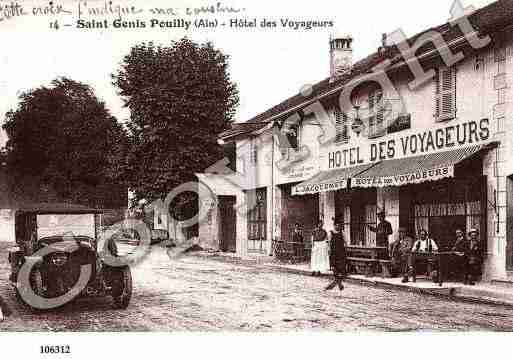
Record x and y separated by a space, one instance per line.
326 88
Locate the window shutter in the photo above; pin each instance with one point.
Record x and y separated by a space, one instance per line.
446 94
437 93
341 126
254 152
379 114
371 100
372 129
376 114
345 128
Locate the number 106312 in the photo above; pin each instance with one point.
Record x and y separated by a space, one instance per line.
55 349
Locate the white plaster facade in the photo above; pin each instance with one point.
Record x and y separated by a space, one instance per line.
483 91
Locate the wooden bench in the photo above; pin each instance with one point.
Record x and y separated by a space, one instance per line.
367 252
365 266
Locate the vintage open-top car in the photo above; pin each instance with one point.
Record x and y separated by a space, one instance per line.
60 240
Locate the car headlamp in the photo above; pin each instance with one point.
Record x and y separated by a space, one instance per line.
59 259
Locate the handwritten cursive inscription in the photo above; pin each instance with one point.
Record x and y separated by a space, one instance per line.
163 11
49 10
107 9
14 9
212 9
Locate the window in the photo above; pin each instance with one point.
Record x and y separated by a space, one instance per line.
293 136
230 152
445 93
501 67
499 51
377 126
289 139
341 127
402 122
357 211
361 219
257 220
253 151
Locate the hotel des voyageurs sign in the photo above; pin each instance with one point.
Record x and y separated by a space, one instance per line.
421 143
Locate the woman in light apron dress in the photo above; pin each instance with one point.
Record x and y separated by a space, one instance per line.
320 260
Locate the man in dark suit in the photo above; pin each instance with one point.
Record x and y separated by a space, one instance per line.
383 230
471 252
297 240
459 262
474 256
337 256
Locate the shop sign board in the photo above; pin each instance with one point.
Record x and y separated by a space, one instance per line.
311 188
440 139
298 173
422 175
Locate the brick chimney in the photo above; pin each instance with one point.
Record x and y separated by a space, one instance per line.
341 55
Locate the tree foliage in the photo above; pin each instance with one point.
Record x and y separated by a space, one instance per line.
180 97
64 145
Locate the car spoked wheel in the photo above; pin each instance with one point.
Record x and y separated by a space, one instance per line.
121 287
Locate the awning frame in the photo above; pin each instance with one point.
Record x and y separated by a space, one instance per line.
421 174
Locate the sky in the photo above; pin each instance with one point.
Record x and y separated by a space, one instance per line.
268 65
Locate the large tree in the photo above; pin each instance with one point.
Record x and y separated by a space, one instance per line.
180 97
64 145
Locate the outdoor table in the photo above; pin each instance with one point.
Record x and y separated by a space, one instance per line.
441 258
367 252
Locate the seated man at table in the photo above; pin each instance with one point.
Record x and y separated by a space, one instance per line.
400 254
425 245
461 243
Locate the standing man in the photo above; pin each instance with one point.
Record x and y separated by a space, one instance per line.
383 230
297 240
320 261
474 256
337 256
400 253
460 248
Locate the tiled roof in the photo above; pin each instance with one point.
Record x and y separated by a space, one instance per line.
486 20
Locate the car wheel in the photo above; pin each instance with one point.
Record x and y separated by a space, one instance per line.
36 282
121 287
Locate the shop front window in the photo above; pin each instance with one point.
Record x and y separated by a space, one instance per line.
442 209
257 222
361 235
359 211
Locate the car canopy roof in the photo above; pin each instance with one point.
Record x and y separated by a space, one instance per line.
55 208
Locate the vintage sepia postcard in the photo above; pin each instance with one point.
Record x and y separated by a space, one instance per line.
241 167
